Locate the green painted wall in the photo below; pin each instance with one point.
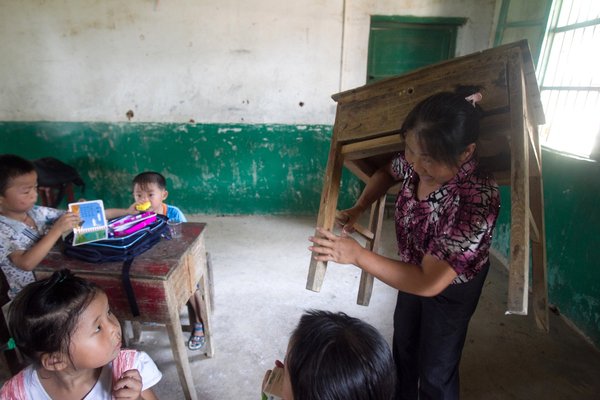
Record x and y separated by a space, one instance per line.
210 168
278 169
572 216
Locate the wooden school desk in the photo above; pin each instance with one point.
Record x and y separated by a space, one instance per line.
366 134
163 280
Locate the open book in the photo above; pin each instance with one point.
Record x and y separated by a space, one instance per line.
93 224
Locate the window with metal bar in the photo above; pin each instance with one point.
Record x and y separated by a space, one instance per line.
569 78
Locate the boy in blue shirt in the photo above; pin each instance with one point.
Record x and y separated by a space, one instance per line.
151 187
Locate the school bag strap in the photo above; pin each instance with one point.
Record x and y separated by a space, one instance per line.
128 287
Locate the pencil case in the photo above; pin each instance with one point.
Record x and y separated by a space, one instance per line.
130 224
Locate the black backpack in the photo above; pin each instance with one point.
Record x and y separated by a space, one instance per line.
124 249
118 248
54 173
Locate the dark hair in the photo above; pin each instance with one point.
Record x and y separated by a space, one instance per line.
445 124
12 166
336 357
44 314
149 177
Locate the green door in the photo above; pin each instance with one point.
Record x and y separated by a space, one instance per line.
401 44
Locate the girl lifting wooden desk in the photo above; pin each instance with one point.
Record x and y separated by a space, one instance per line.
365 134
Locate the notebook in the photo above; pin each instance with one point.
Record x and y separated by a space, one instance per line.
93 225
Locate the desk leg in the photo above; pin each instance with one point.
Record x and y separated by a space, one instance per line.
326 217
181 357
202 299
375 223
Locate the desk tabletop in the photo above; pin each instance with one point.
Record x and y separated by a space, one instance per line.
156 263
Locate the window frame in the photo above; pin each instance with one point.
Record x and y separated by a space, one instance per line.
542 69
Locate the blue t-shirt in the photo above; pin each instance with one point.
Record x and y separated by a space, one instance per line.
175 214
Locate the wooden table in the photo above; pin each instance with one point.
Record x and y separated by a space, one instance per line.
366 135
163 279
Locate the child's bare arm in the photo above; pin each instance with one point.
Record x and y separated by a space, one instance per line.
29 259
148 394
115 212
119 212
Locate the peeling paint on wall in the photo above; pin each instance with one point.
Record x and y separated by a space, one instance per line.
213 169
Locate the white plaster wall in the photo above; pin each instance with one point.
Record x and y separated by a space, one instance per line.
475 35
219 61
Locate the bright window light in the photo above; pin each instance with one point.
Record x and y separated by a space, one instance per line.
569 77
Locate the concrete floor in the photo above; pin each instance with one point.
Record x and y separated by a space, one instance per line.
260 265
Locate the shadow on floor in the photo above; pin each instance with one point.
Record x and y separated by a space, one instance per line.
508 357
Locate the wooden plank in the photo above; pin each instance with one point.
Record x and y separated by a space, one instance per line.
361 169
372 147
365 289
327 207
535 151
534 232
381 115
518 278
493 56
364 168
378 109
538 256
533 99
536 215
358 228
474 67
538 245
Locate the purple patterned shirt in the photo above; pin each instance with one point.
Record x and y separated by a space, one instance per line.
454 223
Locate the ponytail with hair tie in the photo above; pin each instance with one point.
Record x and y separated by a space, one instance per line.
474 98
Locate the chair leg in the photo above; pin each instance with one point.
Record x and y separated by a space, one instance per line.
132 332
136 328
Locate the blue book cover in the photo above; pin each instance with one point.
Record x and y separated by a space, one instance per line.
93 225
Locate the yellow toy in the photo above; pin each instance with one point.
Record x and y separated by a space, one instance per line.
143 206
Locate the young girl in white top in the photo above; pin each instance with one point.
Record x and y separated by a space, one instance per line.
64 325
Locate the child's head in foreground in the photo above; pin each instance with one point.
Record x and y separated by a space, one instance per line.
64 323
18 183
336 357
150 186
